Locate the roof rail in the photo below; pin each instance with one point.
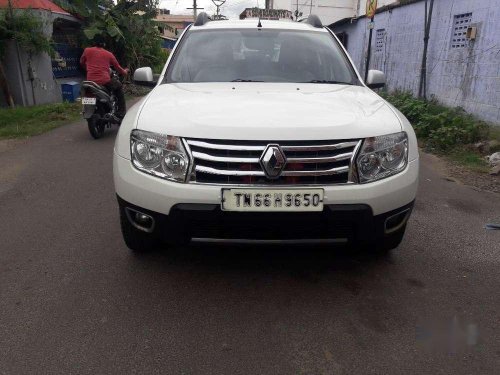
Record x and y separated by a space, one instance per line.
314 20
201 19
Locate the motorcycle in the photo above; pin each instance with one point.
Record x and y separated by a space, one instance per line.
99 107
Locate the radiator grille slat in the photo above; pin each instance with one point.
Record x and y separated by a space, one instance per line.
326 159
217 146
320 147
237 162
223 159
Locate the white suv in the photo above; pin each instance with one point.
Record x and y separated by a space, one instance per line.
264 130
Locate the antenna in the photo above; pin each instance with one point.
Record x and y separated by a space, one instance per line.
218 4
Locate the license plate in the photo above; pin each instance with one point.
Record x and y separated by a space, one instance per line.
88 101
278 200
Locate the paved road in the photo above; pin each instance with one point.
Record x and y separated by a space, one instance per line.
73 299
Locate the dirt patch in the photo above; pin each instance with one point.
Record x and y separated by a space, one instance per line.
462 175
480 181
9 144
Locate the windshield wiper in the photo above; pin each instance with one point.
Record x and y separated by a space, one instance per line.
326 81
244 80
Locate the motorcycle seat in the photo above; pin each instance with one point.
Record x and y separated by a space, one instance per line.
92 84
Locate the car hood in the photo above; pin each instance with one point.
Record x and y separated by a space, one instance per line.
267 111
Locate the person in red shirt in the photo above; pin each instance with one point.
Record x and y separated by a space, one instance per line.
97 61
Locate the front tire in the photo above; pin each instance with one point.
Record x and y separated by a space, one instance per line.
95 128
137 240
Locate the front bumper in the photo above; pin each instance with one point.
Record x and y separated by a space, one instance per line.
355 213
157 195
352 223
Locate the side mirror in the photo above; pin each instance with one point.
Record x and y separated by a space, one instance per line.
376 79
144 77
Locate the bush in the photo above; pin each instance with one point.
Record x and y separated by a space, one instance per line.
131 89
439 127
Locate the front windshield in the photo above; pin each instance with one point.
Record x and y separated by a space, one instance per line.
260 56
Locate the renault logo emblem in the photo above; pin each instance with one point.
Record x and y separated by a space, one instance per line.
273 161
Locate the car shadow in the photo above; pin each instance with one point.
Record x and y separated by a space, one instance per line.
305 262
224 280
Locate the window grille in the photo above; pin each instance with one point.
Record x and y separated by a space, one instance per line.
380 40
458 35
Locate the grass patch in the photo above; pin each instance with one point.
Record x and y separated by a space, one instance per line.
28 121
495 134
470 159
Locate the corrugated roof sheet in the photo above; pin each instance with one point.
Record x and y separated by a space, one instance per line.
34 4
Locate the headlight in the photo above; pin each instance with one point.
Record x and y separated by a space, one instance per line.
382 157
159 154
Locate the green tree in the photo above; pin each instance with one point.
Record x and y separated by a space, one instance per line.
87 10
127 28
130 32
26 30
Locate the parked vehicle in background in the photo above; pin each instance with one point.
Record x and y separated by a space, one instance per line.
264 130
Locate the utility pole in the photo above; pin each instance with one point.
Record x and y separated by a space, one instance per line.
297 13
195 10
422 88
371 8
369 51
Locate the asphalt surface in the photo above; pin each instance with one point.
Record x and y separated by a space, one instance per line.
75 300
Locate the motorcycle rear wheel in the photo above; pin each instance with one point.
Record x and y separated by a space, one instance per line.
96 130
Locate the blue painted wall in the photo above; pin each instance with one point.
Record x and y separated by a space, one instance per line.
467 77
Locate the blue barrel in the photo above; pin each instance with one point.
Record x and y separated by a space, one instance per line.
70 91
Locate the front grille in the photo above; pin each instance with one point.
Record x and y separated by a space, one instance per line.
237 162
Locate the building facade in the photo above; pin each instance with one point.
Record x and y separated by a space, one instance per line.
463 54
266 14
172 25
37 79
329 11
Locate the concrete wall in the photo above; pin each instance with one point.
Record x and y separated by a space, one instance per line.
380 4
467 77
